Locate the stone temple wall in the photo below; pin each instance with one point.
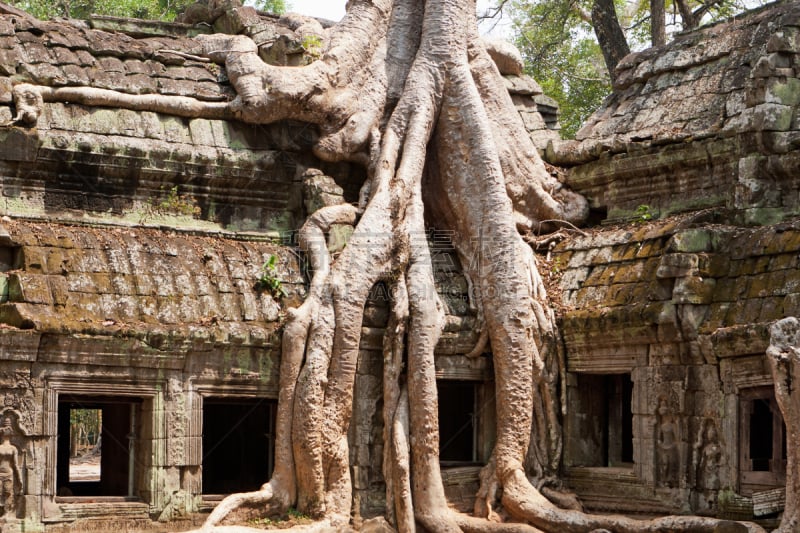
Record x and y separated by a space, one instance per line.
131 248
669 402
708 120
132 244
683 308
171 318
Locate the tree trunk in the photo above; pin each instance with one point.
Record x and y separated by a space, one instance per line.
658 23
687 16
609 34
783 355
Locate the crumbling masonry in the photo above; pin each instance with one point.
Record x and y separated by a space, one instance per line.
133 248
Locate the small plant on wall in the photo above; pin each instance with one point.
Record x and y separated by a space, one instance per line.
268 279
644 213
170 202
312 44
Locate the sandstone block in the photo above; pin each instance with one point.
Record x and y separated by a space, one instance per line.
771 309
678 265
320 190
229 307
175 130
785 91
29 288
769 117
58 288
787 39
573 278
18 145
140 84
691 241
691 319
505 55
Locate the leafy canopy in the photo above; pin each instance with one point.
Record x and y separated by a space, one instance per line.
273 6
562 54
165 10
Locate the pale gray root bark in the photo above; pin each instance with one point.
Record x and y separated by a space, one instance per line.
281 490
406 88
29 99
400 505
783 355
396 457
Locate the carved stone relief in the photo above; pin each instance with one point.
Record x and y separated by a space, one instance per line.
668 444
706 459
13 440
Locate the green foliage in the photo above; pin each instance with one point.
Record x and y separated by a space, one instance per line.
312 44
85 427
561 53
292 518
644 213
264 522
171 202
555 268
268 280
297 515
165 10
273 6
88 418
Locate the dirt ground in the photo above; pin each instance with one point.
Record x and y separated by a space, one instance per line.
85 468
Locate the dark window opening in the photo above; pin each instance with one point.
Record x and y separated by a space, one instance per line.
618 428
762 441
761 435
626 449
96 446
238 443
597 215
10 258
457 422
601 420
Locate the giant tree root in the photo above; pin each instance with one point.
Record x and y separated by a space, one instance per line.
783 355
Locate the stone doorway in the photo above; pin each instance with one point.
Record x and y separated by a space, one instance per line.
97 459
762 441
600 421
238 443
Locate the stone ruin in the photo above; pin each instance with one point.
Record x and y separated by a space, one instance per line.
147 260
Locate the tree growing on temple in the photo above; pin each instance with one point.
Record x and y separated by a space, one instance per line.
407 89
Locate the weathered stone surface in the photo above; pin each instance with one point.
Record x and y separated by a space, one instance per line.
505 55
694 332
320 190
683 120
125 299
